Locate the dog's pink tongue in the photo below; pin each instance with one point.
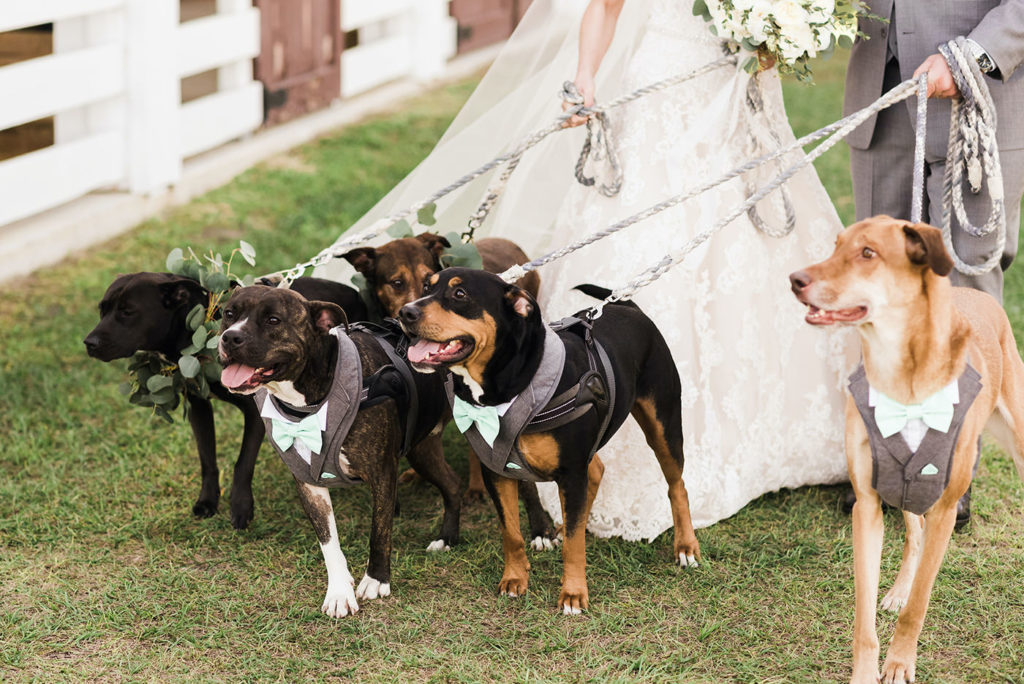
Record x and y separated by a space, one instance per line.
235 375
422 350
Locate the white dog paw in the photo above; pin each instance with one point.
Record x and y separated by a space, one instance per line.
437 546
370 589
340 602
687 561
895 600
570 610
544 543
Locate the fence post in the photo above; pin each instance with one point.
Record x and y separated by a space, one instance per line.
153 94
433 38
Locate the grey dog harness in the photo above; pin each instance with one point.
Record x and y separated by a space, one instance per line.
349 393
537 409
913 481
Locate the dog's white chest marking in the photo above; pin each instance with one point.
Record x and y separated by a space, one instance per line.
474 387
286 392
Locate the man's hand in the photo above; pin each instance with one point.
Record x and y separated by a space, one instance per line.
940 80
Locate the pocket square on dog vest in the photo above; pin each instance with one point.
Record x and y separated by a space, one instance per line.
913 480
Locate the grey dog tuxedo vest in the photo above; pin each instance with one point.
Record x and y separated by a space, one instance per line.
903 479
342 401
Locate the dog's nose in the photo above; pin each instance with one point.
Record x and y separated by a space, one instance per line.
799 280
91 343
232 338
410 313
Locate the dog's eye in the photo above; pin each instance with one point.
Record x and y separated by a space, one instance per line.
273 320
459 293
229 315
397 283
868 253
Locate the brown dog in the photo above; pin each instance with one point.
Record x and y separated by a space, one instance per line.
396 273
921 338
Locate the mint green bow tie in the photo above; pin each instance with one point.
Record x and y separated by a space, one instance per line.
485 418
891 416
306 430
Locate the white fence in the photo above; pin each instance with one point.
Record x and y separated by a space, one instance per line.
113 87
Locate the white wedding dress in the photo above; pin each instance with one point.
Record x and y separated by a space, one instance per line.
762 390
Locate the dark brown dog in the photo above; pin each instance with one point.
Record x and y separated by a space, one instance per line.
275 340
918 334
146 312
396 273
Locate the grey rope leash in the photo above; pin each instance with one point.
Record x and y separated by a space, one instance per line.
848 123
755 106
837 131
597 145
381 225
920 133
972 144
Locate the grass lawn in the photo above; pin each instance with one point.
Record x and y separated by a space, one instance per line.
104 573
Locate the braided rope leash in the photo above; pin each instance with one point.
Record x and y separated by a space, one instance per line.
972 145
381 225
841 128
836 132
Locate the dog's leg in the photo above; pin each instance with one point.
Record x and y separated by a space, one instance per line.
901 659
667 445
868 531
241 483
1007 421
475 490
896 597
505 495
542 531
200 417
376 583
574 597
427 458
340 599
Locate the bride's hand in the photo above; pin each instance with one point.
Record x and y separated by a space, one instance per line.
585 84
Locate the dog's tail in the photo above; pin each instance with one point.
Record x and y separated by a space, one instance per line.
598 292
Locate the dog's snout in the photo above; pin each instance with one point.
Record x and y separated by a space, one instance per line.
232 338
410 313
92 344
799 280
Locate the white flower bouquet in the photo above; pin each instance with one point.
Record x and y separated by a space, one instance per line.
785 32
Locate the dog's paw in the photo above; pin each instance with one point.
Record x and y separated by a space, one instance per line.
409 475
340 600
685 560
545 543
895 599
512 587
204 508
370 589
573 599
241 512
438 546
897 672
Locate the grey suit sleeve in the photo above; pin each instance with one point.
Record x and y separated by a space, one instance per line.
1001 34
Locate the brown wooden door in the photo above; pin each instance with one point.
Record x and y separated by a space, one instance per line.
300 56
483 22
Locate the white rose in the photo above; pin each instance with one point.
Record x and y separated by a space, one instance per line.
759 21
823 40
789 13
802 38
790 51
742 5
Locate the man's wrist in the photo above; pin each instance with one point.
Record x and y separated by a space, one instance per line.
978 53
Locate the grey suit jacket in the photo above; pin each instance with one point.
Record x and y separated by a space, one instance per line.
921 25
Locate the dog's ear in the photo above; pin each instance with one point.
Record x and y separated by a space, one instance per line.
925 248
182 291
520 301
363 258
326 315
435 244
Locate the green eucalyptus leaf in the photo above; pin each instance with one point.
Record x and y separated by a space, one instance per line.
199 337
196 317
211 370
174 260
217 282
190 269
248 279
141 399
401 229
248 252
425 215
189 366
213 342
700 9
163 414
158 382
125 388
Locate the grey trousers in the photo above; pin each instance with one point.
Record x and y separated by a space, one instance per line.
883 177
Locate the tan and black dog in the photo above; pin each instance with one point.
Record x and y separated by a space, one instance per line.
396 273
301 366
940 365
491 336
146 312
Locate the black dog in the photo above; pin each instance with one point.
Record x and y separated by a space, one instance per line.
146 312
364 408
563 394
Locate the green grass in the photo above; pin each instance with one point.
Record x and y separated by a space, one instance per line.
104 574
